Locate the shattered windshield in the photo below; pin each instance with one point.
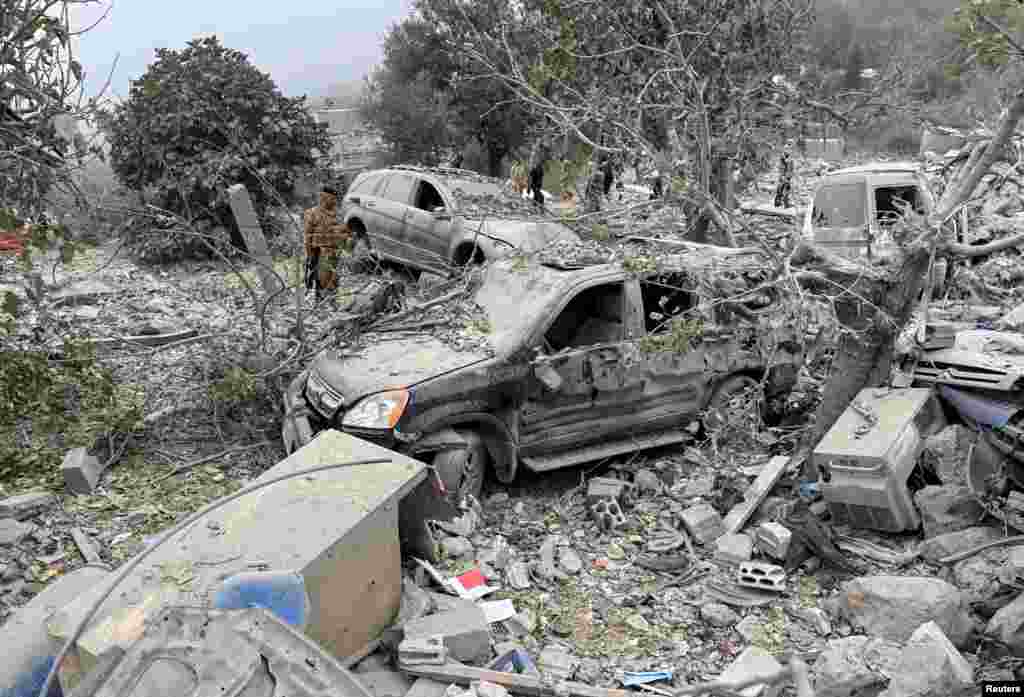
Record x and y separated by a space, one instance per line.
839 205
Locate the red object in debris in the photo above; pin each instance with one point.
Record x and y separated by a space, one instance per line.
11 243
601 563
472 579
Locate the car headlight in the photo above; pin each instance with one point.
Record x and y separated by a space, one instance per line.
380 411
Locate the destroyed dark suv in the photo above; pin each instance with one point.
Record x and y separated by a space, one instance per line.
435 219
551 367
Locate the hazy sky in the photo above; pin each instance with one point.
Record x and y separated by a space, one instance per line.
305 45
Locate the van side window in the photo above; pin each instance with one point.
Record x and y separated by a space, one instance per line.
891 200
839 205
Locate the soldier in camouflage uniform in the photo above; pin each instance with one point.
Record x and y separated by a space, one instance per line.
324 236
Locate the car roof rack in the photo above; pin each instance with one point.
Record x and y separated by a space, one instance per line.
440 170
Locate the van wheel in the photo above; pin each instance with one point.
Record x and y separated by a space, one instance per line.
463 469
730 402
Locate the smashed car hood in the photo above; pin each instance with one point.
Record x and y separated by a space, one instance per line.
978 358
390 363
526 235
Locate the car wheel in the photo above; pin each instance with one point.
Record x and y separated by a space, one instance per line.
730 402
463 469
362 252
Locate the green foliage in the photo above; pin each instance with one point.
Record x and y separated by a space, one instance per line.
204 118
411 116
678 337
235 387
74 397
640 264
982 27
770 635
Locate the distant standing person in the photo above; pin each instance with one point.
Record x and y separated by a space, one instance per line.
785 184
538 158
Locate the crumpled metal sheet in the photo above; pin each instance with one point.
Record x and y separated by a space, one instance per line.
226 653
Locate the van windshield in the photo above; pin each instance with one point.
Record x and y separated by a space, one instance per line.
839 205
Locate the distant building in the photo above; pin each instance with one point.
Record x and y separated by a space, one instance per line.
355 145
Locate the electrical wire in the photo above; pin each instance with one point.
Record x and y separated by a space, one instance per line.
131 565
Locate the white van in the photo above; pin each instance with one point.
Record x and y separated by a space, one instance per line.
854 208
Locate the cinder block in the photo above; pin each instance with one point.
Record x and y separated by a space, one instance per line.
703 523
734 548
764 576
81 471
466 632
600 488
774 539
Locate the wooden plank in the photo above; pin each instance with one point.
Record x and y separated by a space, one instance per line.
756 494
85 546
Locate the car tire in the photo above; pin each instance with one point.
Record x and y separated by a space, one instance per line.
719 410
362 252
463 469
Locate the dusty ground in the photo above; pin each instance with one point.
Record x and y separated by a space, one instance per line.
610 612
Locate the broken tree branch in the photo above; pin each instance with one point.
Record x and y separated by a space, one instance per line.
209 458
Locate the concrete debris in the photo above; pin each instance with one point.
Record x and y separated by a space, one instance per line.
948 508
607 488
569 560
12 531
765 577
557 663
773 540
817 618
425 651
81 471
846 666
941 546
523 624
1007 626
457 548
26 505
703 523
748 627
751 663
518 575
425 687
734 548
647 482
893 606
946 453
930 666
466 632
756 494
608 514
719 615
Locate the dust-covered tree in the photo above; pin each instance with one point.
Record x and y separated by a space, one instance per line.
425 65
204 118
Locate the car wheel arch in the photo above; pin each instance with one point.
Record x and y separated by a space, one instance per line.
468 251
501 443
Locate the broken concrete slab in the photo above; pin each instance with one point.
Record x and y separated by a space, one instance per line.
930 665
758 491
337 528
466 632
950 543
749 664
26 505
569 560
703 523
892 607
1007 625
734 548
947 508
81 471
946 453
13 531
844 668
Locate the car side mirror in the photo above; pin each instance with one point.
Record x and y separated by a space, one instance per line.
441 213
354 199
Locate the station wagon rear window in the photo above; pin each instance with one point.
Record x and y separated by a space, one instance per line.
839 205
